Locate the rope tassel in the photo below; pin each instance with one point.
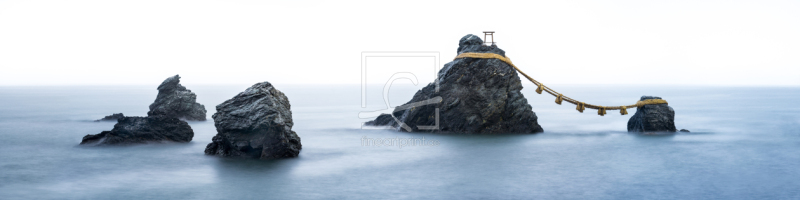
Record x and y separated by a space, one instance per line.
541 87
559 98
623 110
601 111
580 107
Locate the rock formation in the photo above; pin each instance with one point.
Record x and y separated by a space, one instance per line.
112 117
138 130
256 123
475 96
174 100
652 118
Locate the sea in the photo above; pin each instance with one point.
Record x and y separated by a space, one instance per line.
744 143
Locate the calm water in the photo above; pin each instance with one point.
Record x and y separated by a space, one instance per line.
744 144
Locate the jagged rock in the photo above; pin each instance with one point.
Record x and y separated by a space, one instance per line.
476 96
112 117
138 130
652 118
256 123
174 100
473 43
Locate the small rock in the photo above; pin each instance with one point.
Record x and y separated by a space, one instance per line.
382 120
654 117
256 123
139 130
113 117
174 100
684 130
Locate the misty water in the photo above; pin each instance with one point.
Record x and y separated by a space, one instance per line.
744 144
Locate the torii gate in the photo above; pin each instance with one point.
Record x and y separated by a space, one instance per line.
488 33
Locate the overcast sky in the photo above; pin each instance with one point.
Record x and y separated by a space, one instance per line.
105 42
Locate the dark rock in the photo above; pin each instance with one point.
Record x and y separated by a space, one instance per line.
652 118
684 130
174 100
473 43
382 120
113 117
256 123
138 130
476 96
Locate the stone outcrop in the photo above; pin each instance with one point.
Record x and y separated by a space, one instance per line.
652 118
475 96
174 100
112 117
256 123
139 130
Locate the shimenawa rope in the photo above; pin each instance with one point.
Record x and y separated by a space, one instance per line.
581 106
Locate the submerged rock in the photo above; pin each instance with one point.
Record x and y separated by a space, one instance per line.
112 117
652 118
382 120
139 130
256 123
174 100
475 96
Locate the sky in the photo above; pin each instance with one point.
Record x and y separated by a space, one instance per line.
142 42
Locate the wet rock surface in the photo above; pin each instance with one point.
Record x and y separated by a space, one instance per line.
256 123
112 117
475 96
140 130
652 118
174 100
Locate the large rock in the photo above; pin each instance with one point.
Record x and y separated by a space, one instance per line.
256 123
174 100
476 96
652 118
138 130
